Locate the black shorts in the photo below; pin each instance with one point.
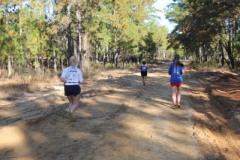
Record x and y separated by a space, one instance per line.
72 90
143 73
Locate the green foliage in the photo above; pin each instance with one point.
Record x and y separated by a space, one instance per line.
205 24
109 66
210 65
35 35
130 66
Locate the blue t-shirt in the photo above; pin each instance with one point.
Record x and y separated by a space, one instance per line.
144 68
176 73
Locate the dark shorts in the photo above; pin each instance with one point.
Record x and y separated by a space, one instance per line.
177 84
72 90
143 73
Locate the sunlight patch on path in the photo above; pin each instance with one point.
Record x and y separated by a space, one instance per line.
13 139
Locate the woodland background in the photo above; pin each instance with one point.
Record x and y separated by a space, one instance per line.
39 36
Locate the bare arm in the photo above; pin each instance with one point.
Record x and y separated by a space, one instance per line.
62 79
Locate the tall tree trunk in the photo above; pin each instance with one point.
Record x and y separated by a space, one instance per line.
202 54
197 56
9 66
105 55
205 57
54 60
48 63
228 48
230 55
61 63
117 53
79 38
222 52
69 43
22 59
85 53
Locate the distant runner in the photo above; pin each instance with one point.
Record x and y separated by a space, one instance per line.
176 70
143 70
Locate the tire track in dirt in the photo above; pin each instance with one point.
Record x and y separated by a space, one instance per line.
31 110
149 128
172 127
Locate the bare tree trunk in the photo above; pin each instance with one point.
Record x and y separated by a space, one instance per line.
105 56
222 52
201 54
54 60
228 48
117 53
36 63
204 53
79 39
9 66
230 56
69 43
48 63
85 53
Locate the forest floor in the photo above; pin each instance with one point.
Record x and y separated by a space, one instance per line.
120 119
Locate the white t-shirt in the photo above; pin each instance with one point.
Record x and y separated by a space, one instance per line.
73 75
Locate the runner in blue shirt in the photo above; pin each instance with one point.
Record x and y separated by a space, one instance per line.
176 70
143 70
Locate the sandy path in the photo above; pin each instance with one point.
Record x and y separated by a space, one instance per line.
119 119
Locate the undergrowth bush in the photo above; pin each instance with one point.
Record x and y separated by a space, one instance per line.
109 66
130 66
208 66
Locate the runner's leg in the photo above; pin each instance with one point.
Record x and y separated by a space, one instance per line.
145 79
179 89
75 102
173 89
70 105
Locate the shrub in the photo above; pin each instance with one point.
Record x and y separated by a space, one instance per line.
109 66
210 65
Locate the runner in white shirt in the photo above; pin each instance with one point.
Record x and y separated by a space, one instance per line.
72 77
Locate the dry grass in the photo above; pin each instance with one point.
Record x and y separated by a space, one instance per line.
13 87
10 88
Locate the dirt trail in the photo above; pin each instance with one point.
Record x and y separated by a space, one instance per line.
119 119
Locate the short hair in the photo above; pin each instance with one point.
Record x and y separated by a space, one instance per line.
143 62
73 60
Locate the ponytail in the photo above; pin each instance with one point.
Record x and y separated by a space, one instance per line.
176 60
